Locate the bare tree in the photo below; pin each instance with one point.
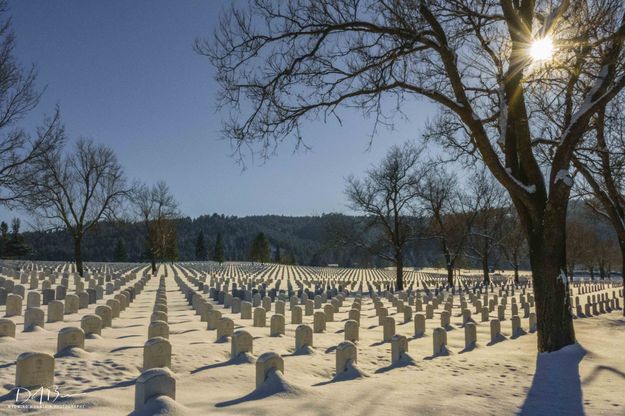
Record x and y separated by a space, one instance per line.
606 255
596 249
579 245
18 96
163 237
75 190
487 199
601 164
387 196
282 63
450 219
156 207
513 245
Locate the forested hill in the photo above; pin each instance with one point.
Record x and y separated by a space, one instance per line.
305 237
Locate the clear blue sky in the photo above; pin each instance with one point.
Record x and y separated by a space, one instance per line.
124 73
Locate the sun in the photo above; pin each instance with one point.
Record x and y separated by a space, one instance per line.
542 49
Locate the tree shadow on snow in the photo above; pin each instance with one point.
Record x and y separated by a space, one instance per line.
601 368
128 336
617 323
556 387
125 383
129 347
184 332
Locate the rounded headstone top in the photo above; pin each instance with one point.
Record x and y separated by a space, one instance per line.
155 340
155 372
28 354
70 329
267 356
345 344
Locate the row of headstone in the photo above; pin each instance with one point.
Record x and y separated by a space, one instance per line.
157 349
598 303
94 292
36 369
34 315
259 314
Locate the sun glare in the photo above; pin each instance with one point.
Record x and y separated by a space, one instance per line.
542 49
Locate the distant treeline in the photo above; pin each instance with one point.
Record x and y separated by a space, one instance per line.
304 239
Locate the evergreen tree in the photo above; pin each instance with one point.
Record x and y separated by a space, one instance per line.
289 257
121 255
316 260
219 249
16 247
260 251
4 238
200 247
278 258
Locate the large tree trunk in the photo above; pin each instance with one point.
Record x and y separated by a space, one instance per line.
450 274
399 265
78 255
485 270
448 263
622 245
548 262
516 274
149 245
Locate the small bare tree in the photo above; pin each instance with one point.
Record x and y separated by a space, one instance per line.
387 197
156 207
513 244
487 199
75 190
447 209
601 164
163 239
607 255
589 245
580 238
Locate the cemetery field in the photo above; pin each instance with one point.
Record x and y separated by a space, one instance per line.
342 344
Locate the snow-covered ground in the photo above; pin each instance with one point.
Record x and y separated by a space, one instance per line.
508 377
